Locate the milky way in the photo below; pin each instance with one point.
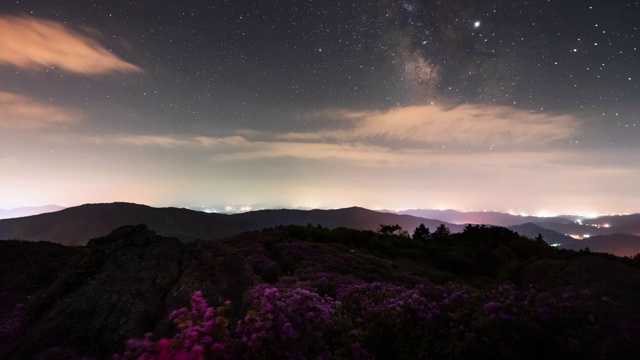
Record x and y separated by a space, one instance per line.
512 106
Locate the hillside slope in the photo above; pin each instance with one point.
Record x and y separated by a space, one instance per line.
312 290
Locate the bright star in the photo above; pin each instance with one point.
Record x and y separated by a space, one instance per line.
476 24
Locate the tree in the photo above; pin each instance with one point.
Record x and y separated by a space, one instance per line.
389 229
441 233
421 233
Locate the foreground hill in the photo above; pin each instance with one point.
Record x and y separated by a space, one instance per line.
309 291
75 225
116 287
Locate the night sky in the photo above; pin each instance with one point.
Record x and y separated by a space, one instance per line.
521 106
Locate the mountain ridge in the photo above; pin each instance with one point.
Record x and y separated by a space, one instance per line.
75 225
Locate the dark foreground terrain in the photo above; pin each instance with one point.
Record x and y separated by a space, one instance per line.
310 292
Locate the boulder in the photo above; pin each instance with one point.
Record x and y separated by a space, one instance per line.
126 287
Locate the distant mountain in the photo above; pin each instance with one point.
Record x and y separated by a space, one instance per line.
76 225
564 225
576 229
622 224
482 217
353 217
550 236
617 244
605 225
28 211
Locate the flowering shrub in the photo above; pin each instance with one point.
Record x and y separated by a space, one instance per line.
200 332
283 323
287 323
378 320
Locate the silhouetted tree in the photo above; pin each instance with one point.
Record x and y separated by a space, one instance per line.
421 233
441 233
389 229
539 237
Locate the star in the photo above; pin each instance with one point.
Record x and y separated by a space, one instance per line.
334 94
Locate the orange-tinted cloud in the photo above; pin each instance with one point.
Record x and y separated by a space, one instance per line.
169 141
239 148
469 135
165 141
20 112
28 42
465 125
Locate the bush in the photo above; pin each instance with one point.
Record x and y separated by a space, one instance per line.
378 320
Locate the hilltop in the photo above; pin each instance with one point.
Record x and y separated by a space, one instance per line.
89 300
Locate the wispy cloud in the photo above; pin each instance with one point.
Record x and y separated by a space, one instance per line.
27 42
169 141
404 136
165 141
239 148
466 125
20 112
350 153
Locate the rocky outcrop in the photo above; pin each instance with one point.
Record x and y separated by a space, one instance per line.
124 288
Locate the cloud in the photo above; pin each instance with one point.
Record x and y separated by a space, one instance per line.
142 140
28 42
490 136
169 141
353 154
20 112
228 141
464 126
240 149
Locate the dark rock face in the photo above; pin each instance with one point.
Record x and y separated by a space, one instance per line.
126 287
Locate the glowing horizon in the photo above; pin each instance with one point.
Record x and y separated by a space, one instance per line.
385 106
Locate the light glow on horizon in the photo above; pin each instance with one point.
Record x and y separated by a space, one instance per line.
380 110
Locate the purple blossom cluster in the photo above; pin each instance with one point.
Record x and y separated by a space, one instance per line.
381 320
291 323
282 323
